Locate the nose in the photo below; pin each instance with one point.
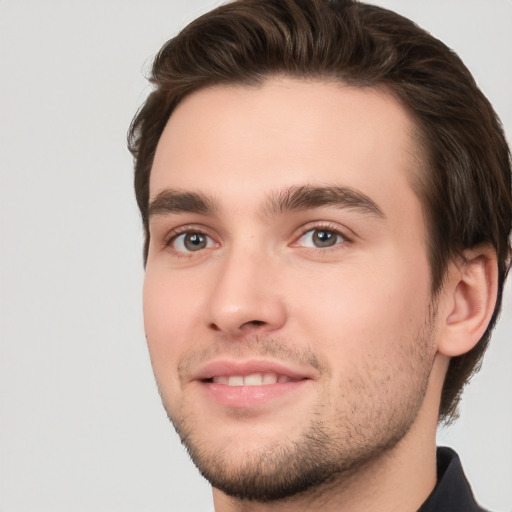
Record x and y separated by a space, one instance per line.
246 296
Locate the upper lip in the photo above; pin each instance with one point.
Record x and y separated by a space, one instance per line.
226 367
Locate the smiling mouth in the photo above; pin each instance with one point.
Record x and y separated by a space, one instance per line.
254 379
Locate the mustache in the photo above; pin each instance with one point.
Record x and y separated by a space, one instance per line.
253 347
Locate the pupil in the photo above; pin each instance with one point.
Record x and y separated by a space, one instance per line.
324 238
195 241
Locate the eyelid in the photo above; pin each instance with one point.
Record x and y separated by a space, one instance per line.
187 228
342 231
338 229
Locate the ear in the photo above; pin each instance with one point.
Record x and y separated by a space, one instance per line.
469 299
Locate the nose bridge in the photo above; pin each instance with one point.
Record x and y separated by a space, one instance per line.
245 296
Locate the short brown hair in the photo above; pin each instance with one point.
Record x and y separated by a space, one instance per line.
465 182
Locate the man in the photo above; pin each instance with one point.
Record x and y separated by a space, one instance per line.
326 197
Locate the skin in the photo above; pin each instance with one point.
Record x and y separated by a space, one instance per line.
354 320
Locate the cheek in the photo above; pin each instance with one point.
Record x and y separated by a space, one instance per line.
169 309
350 307
364 324
170 301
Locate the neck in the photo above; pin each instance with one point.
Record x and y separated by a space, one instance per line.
397 480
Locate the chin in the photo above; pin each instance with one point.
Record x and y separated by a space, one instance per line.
280 469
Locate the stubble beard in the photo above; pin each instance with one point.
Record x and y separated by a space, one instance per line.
369 424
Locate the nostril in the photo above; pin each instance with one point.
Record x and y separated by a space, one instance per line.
238 329
256 322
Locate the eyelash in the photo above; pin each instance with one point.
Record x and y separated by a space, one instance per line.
185 230
316 226
323 226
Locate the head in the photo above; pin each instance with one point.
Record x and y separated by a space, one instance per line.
461 176
464 183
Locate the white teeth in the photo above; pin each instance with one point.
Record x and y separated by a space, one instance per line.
236 380
269 378
254 379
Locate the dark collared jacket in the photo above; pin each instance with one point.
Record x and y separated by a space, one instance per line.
452 492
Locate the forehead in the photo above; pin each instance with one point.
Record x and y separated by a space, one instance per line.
237 142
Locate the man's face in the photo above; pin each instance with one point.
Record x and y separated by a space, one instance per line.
287 296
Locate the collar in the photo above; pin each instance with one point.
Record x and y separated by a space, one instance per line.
452 492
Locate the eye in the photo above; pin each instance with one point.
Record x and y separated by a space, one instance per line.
191 242
320 238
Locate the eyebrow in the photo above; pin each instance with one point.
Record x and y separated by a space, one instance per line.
176 201
301 198
292 199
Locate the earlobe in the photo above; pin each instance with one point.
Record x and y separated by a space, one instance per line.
471 289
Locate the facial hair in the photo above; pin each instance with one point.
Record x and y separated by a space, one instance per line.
379 403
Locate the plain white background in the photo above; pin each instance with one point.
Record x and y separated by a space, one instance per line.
81 426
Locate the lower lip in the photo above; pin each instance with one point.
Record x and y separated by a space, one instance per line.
245 397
